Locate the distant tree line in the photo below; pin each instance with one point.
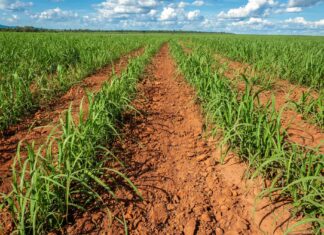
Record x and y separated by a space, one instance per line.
33 29
22 29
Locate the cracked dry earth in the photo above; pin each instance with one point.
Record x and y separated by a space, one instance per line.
175 167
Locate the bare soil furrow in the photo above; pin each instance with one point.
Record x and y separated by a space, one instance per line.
176 168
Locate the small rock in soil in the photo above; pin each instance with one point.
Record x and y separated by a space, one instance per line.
219 231
224 208
201 144
89 227
228 192
206 217
191 154
190 227
176 199
198 209
159 213
204 174
136 222
218 216
142 228
202 157
170 207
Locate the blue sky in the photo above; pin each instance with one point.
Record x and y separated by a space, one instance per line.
236 16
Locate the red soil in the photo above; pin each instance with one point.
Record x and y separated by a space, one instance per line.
176 169
299 130
38 126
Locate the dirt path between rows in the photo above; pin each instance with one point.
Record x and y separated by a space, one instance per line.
38 126
176 169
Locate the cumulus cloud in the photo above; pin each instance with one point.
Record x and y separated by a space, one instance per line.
153 13
183 4
252 8
253 22
198 3
194 15
141 14
168 14
14 5
285 9
303 3
293 9
297 5
303 22
56 14
125 8
179 15
20 6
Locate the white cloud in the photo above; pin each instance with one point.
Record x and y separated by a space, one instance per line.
125 8
179 15
209 24
14 5
288 10
153 13
303 3
56 14
147 3
253 7
297 20
293 9
183 4
297 5
303 22
198 3
253 22
168 14
19 6
194 15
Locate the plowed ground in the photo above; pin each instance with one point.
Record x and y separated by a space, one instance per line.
175 167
